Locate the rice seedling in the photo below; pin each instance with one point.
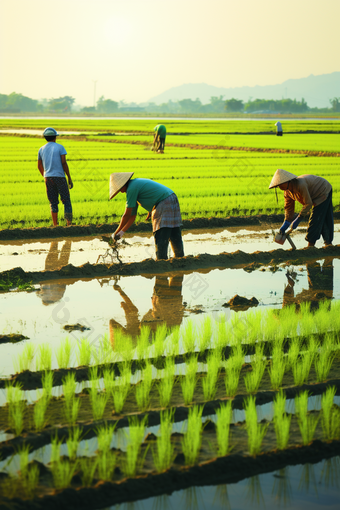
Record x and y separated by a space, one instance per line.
47 384
44 360
189 337
143 346
106 465
104 437
24 360
55 448
256 431
293 352
123 345
39 412
63 353
330 415
173 347
29 475
73 440
159 339
72 404
307 423
16 408
281 421
323 364
224 415
143 388
276 372
252 380
191 442
302 368
71 411
98 402
221 339
122 387
84 353
102 351
88 468
189 379
254 320
209 383
166 383
62 472
163 455
133 462
109 381
204 337
231 380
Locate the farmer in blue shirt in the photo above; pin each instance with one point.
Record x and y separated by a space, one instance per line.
53 166
159 138
162 206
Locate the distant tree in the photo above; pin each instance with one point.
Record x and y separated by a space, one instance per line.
234 105
22 103
280 105
217 104
61 104
190 106
106 105
335 102
88 109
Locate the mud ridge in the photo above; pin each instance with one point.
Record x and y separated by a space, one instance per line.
38 440
190 263
221 470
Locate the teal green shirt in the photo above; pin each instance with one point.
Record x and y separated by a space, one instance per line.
146 193
160 130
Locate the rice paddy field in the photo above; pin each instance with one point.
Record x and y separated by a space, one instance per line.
209 380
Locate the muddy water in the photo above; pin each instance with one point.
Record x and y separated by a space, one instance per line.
52 254
131 301
308 486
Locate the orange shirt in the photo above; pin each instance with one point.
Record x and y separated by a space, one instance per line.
309 190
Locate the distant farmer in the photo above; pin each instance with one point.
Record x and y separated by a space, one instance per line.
312 192
278 128
159 138
162 206
53 166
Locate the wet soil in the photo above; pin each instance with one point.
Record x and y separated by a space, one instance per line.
12 338
248 261
261 220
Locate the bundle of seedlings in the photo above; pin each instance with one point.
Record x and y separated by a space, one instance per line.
84 354
143 388
233 368
307 422
143 345
63 353
173 345
166 382
159 337
191 442
189 379
16 407
224 415
205 333
209 383
24 360
256 431
330 415
189 337
252 380
72 404
134 461
107 459
122 387
302 367
277 367
62 469
98 399
281 421
163 454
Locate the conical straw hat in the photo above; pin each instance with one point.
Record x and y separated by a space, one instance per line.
117 181
280 177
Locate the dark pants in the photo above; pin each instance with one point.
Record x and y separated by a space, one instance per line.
279 133
161 144
321 222
56 186
162 238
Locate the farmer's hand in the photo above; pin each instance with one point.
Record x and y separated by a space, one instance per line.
70 183
296 222
148 216
284 226
117 235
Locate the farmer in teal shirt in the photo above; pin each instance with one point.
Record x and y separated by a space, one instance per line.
159 138
162 206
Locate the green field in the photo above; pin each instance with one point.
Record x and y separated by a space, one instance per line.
208 181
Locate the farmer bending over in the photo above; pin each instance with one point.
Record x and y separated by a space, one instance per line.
162 206
159 138
312 192
53 166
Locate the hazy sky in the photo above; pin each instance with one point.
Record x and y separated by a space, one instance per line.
136 49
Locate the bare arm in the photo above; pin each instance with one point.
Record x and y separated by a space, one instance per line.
66 170
40 167
126 221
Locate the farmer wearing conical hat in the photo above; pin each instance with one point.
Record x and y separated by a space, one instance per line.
159 138
162 206
312 192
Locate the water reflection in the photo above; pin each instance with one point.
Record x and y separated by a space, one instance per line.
167 307
308 479
254 492
221 497
52 292
282 488
320 284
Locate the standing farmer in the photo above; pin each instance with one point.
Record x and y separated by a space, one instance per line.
159 138
278 128
162 206
312 192
53 166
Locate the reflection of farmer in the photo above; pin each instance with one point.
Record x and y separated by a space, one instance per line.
320 282
53 292
159 138
312 192
167 306
278 128
162 206
53 166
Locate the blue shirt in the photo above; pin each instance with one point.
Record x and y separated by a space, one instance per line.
146 193
50 154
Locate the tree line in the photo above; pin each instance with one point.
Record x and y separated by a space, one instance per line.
16 103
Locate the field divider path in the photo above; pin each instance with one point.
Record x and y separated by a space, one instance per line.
189 263
221 470
89 429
